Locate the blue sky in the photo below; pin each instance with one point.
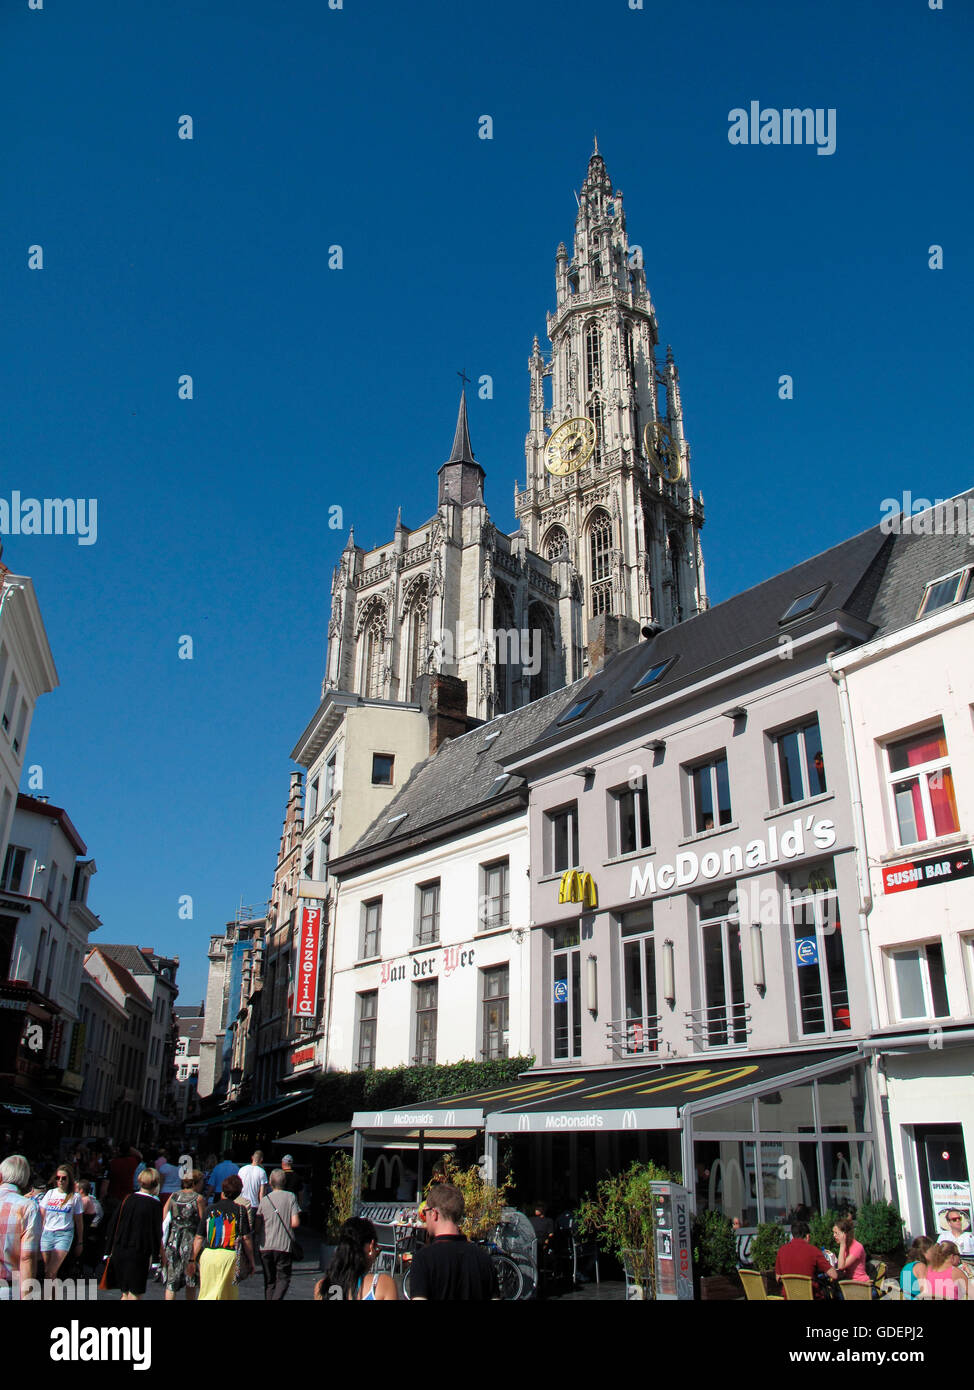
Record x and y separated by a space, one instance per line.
315 388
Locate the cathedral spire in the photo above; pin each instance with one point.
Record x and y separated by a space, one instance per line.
461 477
461 451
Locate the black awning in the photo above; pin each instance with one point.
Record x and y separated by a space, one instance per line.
606 1098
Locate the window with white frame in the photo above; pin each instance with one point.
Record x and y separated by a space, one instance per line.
312 809
921 787
817 952
800 763
425 994
919 981
10 704
562 837
328 790
18 738
566 972
945 592
724 1014
710 786
641 1024
371 928
495 894
428 913
496 990
368 1016
13 869
629 829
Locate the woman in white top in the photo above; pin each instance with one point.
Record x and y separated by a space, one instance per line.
62 1209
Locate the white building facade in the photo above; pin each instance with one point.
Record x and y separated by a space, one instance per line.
26 672
908 698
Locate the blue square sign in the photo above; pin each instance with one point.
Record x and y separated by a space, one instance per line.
806 950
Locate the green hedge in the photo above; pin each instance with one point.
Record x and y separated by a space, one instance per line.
339 1093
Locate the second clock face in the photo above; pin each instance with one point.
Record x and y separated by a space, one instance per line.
570 446
662 451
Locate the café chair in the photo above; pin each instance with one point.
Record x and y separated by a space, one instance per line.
855 1291
797 1287
754 1290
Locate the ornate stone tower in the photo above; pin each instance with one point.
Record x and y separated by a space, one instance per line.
632 538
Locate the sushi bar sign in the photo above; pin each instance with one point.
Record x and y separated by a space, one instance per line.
923 873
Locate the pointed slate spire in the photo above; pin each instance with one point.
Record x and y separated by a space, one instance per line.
461 478
461 451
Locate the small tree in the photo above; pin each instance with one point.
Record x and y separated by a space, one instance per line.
879 1228
620 1214
714 1244
342 1192
483 1202
765 1244
820 1230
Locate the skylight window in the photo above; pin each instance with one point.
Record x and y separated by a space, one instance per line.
579 708
498 784
943 593
492 732
803 605
394 820
654 674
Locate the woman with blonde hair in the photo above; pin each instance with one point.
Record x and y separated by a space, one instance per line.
137 1237
944 1277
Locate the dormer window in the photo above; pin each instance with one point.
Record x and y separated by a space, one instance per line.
943 593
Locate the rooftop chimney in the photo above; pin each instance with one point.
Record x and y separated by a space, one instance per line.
609 634
443 700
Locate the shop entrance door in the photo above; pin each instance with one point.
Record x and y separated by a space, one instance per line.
941 1160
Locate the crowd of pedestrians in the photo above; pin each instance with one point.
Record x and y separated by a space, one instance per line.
200 1230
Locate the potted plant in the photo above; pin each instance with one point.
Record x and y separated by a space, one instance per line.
620 1215
342 1202
879 1229
483 1202
765 1244
715 1257
820 1230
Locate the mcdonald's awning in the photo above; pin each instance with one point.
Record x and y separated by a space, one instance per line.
609 1098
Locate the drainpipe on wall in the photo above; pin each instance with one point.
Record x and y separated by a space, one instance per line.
862 866
865 907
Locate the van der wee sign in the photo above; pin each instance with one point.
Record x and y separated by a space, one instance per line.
921 873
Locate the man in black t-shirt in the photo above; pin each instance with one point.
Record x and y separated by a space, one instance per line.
292 1183
448 1267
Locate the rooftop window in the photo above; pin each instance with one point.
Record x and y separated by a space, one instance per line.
654 674
943 593
579 708
803 605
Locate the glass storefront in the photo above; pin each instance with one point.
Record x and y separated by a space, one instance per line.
789 1152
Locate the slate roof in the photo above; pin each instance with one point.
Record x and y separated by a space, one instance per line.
916 560
739 627
130 957
459 776
124 978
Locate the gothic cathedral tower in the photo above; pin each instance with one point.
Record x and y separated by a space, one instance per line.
632 536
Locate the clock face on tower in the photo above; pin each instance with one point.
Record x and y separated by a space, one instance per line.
570 446
662 451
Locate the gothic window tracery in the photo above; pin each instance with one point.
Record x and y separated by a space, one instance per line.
556 543
593 358
600 561
542 651
596 413
372 669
